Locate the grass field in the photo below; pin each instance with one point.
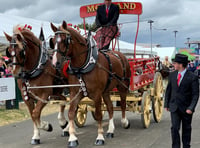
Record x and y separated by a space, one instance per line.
14 115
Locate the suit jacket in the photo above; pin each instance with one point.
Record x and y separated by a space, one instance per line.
182 97
113 15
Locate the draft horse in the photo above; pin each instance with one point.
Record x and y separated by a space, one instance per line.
32 67
96 71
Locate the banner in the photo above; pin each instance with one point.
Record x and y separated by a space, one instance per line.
124 8
7 89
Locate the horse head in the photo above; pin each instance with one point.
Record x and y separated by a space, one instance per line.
67 42
22 49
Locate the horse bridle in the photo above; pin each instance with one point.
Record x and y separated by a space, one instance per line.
67 42
22 53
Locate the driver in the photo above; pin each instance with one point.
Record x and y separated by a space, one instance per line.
106 21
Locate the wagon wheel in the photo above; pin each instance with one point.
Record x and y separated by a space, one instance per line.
81 115
146 109
157 101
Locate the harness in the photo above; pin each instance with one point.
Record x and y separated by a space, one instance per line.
113 75
90 62
110 69
39 67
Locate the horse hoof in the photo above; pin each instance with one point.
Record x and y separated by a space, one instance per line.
73 144
128 126
35 141
110 135
99 142
64 126
65 134
50 128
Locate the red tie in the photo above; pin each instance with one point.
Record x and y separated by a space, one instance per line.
179 78
107 10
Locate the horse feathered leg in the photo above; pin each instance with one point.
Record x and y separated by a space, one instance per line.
73 140
123 92
109 105
38 124
100 138
62 121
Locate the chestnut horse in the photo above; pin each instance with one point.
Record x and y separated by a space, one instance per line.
33 68
97 82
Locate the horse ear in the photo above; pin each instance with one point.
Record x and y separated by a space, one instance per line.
64 25
53 27
8 37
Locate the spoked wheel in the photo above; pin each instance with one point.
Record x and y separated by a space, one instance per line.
157 101
146 109
81 115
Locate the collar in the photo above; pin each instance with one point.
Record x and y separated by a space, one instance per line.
183 72
38 69
90 62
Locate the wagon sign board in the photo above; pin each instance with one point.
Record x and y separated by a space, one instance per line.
125 8
7 88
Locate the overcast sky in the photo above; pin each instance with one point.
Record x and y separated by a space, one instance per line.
180 15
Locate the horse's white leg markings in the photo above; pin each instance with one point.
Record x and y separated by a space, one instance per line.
72 136
66 129
124 122
100 134
61 118
36 132
111 126
100 137
44 125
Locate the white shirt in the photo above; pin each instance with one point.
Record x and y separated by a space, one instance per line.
182 75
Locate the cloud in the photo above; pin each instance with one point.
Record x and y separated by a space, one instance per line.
181 15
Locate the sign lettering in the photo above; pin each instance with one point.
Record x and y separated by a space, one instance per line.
125 8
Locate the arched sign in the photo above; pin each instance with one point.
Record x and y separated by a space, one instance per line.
125 8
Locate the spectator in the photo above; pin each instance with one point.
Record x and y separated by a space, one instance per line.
166 62
2 69
191 68
8 71
197 72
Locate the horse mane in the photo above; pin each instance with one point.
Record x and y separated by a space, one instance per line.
75 34
24 32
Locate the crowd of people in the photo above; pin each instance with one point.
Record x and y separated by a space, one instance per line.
191 66
5 71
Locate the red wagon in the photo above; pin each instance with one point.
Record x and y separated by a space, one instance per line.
146 85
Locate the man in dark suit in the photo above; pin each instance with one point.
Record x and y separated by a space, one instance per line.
106 18
181 98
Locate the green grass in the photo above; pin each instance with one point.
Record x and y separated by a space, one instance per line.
21 114
14 115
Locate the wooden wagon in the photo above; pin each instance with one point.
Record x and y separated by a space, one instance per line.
146 85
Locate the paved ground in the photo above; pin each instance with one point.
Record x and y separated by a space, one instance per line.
157 136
